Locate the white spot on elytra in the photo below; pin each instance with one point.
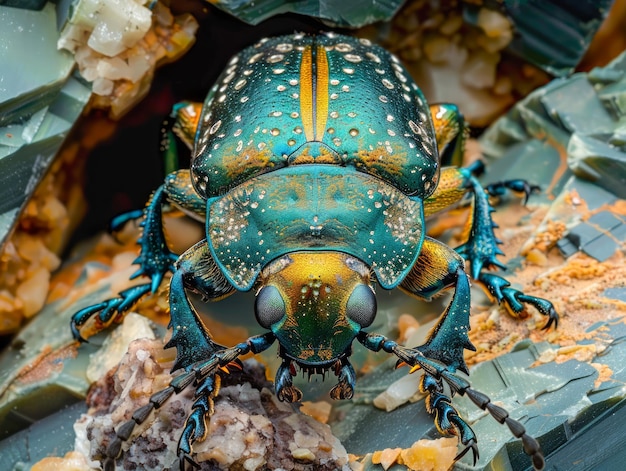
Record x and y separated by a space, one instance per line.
215 127
284 47
354 58
343 47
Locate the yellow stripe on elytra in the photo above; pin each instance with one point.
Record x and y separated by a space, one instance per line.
314 92
306 93
321 89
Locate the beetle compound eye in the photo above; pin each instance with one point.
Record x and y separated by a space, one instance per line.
361 307
269 307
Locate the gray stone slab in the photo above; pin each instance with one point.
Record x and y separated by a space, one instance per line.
52 436
574 114
39 102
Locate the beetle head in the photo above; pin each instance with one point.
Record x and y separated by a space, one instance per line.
315 303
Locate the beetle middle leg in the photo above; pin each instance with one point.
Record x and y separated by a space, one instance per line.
481 249
155 258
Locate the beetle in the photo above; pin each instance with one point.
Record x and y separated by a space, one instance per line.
316 160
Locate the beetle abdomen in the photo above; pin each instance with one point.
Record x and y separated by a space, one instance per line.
327 99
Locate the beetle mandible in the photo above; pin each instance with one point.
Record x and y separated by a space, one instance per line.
315 162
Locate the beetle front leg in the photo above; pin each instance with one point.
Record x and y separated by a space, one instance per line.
439 267
447 419
195 271
204 362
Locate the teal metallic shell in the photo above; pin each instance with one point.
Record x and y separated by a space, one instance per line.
303 99
314 207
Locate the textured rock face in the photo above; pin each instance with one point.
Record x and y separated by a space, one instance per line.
250 429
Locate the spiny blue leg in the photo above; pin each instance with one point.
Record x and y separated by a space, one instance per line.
196 353
154 261
195 270
439 372
481 249
438 267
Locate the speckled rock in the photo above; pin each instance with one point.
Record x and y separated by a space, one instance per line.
249 430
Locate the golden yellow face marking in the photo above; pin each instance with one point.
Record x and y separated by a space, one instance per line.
314 92
316 288
323 274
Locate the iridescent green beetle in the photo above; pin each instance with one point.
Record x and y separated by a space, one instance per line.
315 162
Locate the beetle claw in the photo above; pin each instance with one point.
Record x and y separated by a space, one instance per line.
472 445
521 186
514 300
184 459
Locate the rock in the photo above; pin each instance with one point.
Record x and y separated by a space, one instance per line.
250 429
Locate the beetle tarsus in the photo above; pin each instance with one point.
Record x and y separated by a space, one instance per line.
99 316
514 300
344 389
520 186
